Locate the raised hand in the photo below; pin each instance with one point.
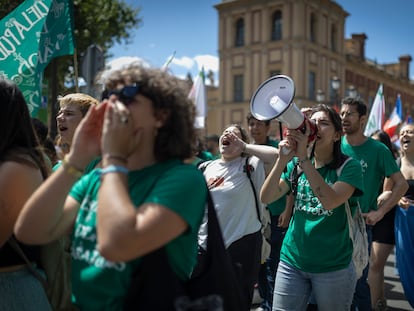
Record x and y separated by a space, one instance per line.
118 137
86 140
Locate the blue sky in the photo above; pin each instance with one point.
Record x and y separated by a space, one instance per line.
190 29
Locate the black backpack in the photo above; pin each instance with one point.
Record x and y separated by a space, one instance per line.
155 286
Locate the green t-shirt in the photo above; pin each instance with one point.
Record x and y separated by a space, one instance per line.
377 162
318 240
99 284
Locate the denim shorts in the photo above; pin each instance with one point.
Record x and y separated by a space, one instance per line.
330 290
21 291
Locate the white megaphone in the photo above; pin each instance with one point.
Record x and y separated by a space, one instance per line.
273 99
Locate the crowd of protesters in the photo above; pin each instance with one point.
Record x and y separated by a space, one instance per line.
130 176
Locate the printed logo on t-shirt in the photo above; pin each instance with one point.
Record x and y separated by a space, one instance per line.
215 182
364 165
306 201
84 246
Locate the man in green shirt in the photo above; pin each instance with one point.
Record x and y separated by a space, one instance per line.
377 162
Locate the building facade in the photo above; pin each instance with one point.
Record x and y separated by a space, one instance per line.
305 40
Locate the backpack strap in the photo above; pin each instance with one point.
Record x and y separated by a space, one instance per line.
247 169
347 207
203 165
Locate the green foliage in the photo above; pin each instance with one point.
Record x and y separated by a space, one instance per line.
103 22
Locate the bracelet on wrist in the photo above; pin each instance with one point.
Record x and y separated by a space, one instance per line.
116 157
70 169
114 169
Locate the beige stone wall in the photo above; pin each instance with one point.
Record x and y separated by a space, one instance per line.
295 55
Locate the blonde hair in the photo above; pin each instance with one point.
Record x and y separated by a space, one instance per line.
84 101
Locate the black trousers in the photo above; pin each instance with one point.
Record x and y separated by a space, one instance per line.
246 253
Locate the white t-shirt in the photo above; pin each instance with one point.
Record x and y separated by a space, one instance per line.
233 198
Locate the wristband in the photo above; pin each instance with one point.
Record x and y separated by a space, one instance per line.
70 169
114 169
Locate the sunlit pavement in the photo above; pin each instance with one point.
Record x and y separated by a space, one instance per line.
394 293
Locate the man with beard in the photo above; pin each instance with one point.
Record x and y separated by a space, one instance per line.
377 163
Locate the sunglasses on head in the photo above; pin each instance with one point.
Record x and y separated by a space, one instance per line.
127 94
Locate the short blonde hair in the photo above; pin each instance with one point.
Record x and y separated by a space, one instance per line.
84 101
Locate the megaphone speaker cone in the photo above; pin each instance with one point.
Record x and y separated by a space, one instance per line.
272 97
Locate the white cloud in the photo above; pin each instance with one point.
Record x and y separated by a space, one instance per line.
180 67
209 62
185 62
121 62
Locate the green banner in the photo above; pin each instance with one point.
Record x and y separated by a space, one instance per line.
30 36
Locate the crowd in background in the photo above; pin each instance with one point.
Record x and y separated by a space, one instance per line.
130 175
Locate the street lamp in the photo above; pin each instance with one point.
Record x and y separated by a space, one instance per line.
336 84
352 92
320 96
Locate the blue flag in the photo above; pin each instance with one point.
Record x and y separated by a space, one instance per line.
398 107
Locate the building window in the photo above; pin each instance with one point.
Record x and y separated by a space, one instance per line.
239 32
313 27
277 26
334 40
238 88
311 84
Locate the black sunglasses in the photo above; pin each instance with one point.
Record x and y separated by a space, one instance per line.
127 94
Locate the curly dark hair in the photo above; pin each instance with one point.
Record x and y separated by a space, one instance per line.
169 94
18 138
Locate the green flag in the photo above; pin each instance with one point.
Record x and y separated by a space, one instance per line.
30 36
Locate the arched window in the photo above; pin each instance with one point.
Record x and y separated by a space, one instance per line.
239 32
313 26
334 38
277 26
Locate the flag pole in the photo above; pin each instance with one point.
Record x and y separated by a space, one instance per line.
168 62
75 65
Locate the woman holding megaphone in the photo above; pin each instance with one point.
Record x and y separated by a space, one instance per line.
316 255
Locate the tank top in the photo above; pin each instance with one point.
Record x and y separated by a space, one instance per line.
410 192
9 257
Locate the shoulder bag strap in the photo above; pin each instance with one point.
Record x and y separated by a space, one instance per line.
249 176
347 207
350 220
13 243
